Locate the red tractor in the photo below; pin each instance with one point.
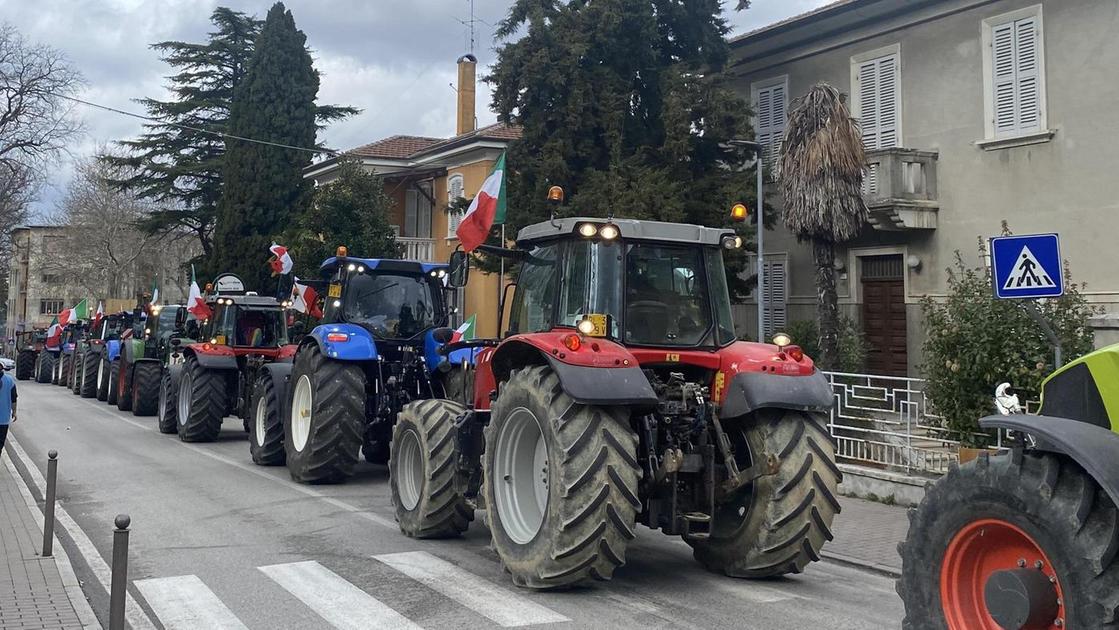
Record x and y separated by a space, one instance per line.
620 395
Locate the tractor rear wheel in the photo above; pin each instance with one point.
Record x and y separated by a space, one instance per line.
560 483
323 429
114 379
266 428
104 382
124 385
75 383
64 371
91 365
45 368
202 401
56 368
25 365
778 524
145 388
427 484
1021 539
168 399
458 385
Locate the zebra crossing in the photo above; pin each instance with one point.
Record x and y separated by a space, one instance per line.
186 602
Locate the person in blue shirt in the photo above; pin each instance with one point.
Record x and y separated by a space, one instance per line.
7 404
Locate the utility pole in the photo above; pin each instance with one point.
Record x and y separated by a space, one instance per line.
759 166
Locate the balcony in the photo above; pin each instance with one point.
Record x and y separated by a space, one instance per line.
421 249
900 189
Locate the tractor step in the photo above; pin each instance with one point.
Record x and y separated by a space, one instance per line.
697 525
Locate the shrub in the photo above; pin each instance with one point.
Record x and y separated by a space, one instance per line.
852 345
974 342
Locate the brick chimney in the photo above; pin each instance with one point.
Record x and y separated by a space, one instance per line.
467 94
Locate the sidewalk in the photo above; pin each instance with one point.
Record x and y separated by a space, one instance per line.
33 593
867 534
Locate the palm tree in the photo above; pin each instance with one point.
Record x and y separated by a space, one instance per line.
820 173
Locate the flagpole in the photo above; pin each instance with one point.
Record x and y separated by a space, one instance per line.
501 282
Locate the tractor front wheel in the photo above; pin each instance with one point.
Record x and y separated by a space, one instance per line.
104 380
323 429
266 429
25 365
75 383
64 371
124 385
91 366
560 483
45 368
145 388
1016 540
168 399
202 401
427 485
778 524
114 380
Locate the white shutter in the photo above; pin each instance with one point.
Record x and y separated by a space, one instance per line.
1002 56
770 124
879 110
776 296
455 191
1016 76
1027 74
887 103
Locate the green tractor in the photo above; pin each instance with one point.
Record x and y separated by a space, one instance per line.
137 369
1028 537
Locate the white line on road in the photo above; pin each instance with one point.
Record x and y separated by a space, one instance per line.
132 611
476 593
339 602
185 603
256 470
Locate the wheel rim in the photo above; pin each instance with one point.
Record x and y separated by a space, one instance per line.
258 417
184 396
521 476
993 550
301 413
409 473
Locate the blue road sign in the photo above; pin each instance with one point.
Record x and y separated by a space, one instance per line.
1026 266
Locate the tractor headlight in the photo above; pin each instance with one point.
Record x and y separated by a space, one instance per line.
361 268
585 326
588 230
440 273
731 241
351 267
781 340
608 232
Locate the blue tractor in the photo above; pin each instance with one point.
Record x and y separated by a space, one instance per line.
374 350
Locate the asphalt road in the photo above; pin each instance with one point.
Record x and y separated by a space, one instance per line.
219 542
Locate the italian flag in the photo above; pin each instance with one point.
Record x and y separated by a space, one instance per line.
73 314
282 263
466 331
155 291
196 305
54 334
98 315
304 299
487 209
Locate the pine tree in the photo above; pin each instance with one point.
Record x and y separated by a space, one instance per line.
619 104
263 186
351 210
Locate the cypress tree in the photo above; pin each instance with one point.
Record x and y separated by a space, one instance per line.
263 185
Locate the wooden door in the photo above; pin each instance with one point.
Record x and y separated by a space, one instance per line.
883 309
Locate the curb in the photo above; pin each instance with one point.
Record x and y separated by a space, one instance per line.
858 563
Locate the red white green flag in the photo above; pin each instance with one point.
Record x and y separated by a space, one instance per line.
196 305
304 298
54 334
466 331
487 209
73 314
98 315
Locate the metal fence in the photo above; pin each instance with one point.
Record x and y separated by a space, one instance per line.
886 422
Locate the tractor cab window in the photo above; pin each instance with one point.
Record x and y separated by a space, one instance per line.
222 325
591 283
391 306
717 278
259 327
536 291
165 322
666 295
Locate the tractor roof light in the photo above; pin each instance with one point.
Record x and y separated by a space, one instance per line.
782 340
588 230
739 212
585 326
555 194
732 241
361 268
440 273
342 252
351 267
609 232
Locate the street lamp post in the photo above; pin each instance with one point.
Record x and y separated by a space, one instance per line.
759 166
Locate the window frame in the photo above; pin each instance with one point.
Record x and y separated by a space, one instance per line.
991 139
45 305
756 88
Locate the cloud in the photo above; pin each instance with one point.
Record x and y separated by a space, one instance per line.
392 58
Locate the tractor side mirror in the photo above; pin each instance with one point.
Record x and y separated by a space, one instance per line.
442 335
460 269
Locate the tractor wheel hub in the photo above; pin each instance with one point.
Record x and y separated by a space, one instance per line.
1021 598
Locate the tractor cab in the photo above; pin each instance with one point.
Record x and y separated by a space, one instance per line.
242 320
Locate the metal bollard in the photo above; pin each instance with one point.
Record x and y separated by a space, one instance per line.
48 507
120 573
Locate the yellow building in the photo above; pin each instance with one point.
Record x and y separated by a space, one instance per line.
423 175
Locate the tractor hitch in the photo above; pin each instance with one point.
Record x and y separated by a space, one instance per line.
768 464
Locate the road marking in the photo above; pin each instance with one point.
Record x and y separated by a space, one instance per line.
70 581
336 600
185 603
132 611
478 594
256 470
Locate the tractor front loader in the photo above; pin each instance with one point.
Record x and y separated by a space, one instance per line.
620 395
1027 538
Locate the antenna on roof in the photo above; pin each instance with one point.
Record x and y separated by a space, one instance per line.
470 25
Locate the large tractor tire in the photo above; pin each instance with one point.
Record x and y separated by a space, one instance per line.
105 381
202 402
778 524
114 379
145 388
75 383
167 419
560 483
1022 538
25 365
124 385
64 370
56 368
323 429
45 368
458 385
91 365
427 484
266 430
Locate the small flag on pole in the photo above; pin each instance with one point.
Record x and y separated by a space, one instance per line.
77 312
54 334
304 299
195 303
465 332
487 209
98 315
282 262
155 291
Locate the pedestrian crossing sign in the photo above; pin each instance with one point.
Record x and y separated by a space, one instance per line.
1025 267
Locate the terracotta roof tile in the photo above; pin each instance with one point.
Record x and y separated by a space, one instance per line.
394 147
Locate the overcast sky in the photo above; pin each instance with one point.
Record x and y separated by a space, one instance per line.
394 59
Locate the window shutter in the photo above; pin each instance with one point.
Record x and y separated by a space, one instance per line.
1026 60
1002 44
878 89
887 103
868 103
776 297
770 127
455 191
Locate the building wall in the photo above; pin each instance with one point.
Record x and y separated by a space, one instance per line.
1063 185
29 286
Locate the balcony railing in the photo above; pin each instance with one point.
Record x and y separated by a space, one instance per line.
900 189
421 249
